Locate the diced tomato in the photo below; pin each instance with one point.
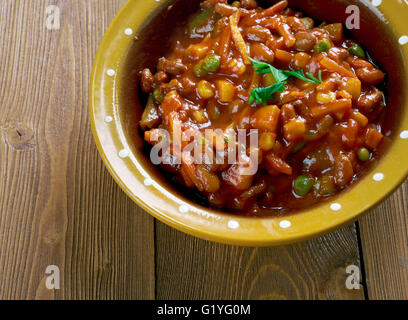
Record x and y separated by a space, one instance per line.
373 138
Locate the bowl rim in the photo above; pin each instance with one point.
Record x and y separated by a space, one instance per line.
210 224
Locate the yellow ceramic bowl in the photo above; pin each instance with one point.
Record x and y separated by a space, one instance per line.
115 108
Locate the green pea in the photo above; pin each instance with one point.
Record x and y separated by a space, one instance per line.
363 154
302 185
236 4
211 63
357 51
322 46
158 96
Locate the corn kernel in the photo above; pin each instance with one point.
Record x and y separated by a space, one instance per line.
205 89
237 66
267 141
199 116
324 98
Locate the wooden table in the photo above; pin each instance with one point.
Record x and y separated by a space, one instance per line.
59 206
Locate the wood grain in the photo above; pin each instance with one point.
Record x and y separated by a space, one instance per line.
59 206
384 238
189 268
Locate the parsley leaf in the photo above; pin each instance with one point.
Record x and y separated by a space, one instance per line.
283 75
264 94
308 77
264 68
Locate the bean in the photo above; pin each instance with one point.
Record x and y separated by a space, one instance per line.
370 75
305 41
261 52
147 81
174 67
161 77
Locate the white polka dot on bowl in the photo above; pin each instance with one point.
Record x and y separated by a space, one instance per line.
403 40
232 224
110 72
148 182
108 119
123 153
376 3
285 224
404 134
335 206
128 32
183 208
378 177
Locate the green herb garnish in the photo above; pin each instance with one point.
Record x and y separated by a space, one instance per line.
283 75
264 94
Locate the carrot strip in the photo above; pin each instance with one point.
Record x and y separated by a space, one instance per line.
276 8
254 19
225 9
279 164
225 44
360 118
335 67
237 37
341 105
255 82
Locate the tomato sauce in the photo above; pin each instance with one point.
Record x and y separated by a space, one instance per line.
312 95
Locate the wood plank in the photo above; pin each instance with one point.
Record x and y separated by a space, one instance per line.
384 238
189 268
59 206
